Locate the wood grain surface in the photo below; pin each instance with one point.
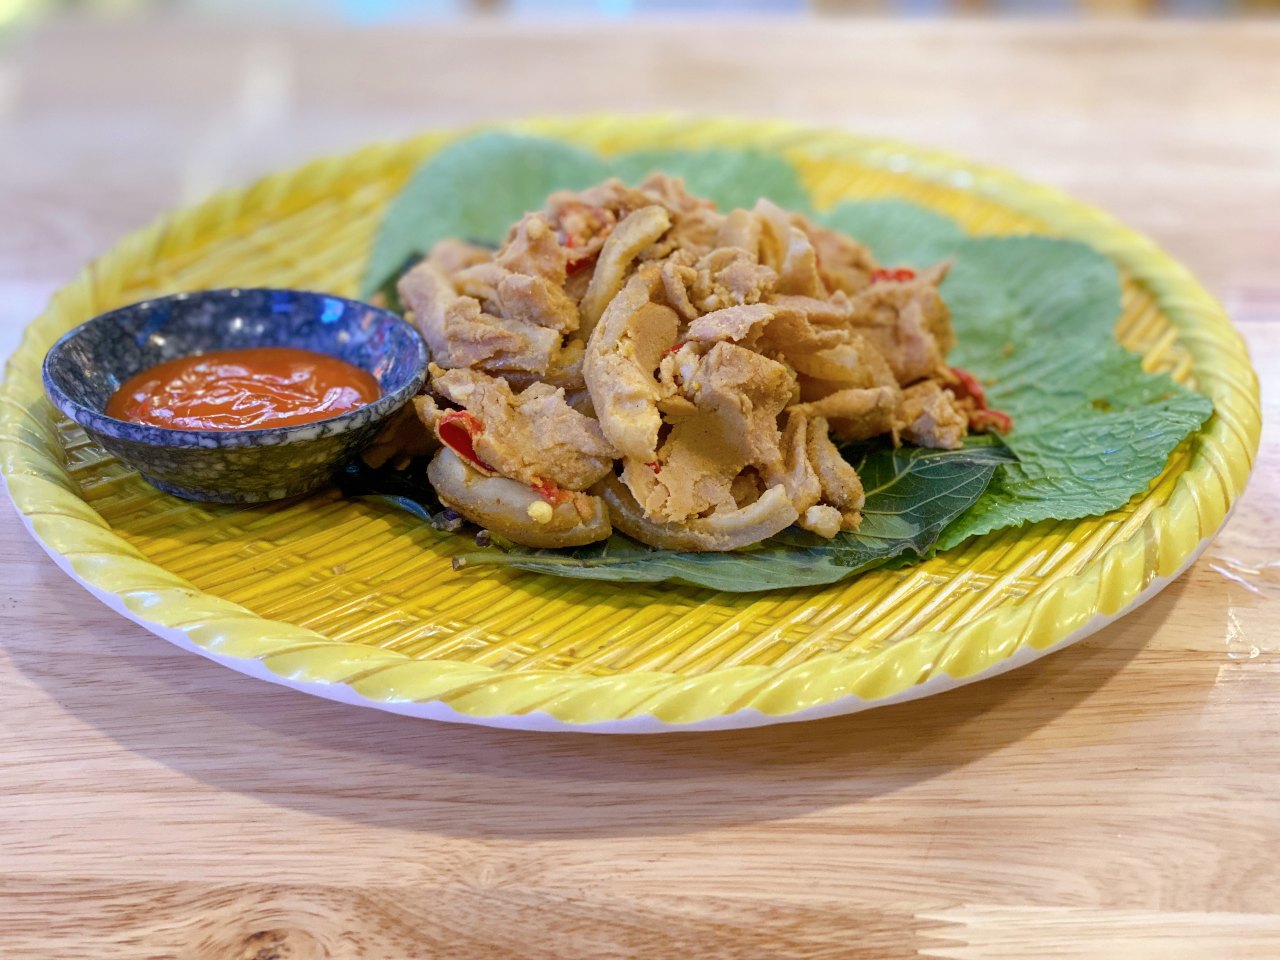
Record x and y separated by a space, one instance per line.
1116 800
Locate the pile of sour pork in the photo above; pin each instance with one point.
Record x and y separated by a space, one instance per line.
633 359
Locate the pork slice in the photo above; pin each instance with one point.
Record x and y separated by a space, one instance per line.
843 263
616 197
795 473
537 301
787 249
855 413
481 281
745 392
671 193
855 362
833 311
728 276
692 232
676 280
460 334
622 355
633 234
741 229
737 395
533 436
908 321
930 417
841 485
740 324
534 250
789 334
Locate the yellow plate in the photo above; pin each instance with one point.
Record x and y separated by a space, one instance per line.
360 604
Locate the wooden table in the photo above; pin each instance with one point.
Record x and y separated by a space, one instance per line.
1117 800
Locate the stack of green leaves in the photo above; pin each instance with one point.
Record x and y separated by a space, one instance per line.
1034 317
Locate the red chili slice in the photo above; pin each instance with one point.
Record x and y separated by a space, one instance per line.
457 430
549 492
965 384
654 465
575 266
900 274
998 420
674 348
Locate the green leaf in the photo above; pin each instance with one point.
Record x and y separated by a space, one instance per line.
1081 455
475 189
1034 319
912 494
729 178
1009 292
898 233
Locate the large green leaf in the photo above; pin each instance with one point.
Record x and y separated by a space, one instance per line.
1034 320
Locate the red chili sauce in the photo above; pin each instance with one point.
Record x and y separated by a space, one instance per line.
243 390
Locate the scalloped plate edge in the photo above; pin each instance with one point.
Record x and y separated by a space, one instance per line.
541 722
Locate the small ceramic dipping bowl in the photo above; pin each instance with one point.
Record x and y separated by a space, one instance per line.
84 368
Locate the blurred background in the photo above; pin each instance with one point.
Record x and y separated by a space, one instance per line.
375 11
1166 112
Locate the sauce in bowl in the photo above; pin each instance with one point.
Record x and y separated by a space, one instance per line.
243 390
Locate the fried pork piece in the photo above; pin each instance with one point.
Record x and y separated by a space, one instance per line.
631 236
737 396
741 229
565 371
931 417
621 359
728 277
788 251
742 324
821 484
533 436
857 413
670 192
843 264
791 334
677 277
908 322
534 250
728 528
461 335
537 301
795 471
514 510
852 361
841 486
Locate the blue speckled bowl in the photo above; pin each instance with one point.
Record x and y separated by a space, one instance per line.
85 367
